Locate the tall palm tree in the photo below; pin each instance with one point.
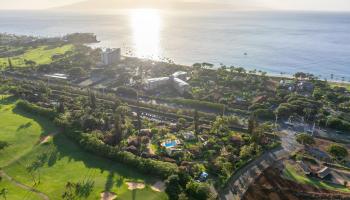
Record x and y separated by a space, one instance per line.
4 193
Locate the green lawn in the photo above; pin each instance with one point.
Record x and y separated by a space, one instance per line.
61 161
291 173
41 55
21 132
346 85
15 192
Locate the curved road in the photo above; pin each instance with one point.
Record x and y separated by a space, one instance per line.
243 178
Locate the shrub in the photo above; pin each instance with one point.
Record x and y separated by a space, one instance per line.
198 104
337 151
126 91
338 124
305 139
3 145
199 191
264 114
173 188
36 110
92 143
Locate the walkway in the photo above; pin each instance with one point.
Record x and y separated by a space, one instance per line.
21 185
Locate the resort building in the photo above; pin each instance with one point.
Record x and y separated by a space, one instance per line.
180 85
154 83
110 56
174 80
180 74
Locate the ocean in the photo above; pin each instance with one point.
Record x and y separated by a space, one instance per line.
280 43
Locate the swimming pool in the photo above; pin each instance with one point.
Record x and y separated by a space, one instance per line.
170 144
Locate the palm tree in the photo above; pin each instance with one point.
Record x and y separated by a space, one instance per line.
4 193
196 121
10 63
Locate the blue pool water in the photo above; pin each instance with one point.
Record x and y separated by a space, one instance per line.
170 144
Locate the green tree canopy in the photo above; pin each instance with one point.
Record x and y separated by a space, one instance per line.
337 151
305 139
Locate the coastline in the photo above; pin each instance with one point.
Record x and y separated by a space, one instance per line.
272 75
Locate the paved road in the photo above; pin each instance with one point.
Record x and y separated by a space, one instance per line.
243 178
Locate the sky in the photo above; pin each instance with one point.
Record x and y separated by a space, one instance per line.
330 5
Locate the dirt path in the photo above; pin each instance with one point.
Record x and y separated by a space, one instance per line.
21 185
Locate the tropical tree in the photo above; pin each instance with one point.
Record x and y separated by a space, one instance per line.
338 151
4 192
3 145
305 139
173 188
196 121
29 63
69 193
10 63
120 122
92 99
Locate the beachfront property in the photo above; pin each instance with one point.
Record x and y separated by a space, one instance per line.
110 56
176 80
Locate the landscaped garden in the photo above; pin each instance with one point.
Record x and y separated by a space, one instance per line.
39 156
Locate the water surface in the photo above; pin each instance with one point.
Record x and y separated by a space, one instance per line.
276 42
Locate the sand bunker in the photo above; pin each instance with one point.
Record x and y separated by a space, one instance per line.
159 186
47 138
108 196
134 185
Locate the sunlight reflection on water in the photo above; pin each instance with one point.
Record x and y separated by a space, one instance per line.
146 27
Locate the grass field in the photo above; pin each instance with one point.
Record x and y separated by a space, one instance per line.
40 55
346 85
15 192
292 173
58 161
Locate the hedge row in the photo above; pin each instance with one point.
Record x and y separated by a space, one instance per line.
91 143
36 110
198 104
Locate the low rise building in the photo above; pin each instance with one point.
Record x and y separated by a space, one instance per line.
324 172
180 74
154 83
180 85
